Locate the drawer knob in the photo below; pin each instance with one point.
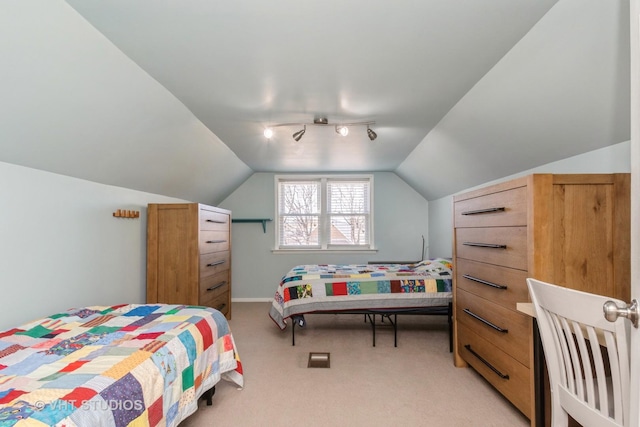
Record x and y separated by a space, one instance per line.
216 241
484 282
484 211
485 321
216 221
485 245
489 365
213 264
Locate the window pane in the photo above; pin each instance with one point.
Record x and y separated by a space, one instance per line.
349 230
324 212
348 197
299 230
299 197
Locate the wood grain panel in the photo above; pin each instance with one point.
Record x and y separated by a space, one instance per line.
513 341
517 387
214 241
210 220
214 263
212 286
514 255
478 211
220 303
177 254
583 218
476 272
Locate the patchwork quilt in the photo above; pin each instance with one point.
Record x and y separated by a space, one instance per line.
340 287
123 365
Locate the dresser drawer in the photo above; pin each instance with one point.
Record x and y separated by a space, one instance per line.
220 303
502 285
213 263
504 208
210 220
505 246
213 241
505 373
212 286
506 329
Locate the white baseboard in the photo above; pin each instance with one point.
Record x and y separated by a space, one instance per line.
251 299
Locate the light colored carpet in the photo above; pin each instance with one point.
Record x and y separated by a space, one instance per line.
414 384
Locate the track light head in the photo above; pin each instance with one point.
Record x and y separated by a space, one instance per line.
371 134
299 134
342 130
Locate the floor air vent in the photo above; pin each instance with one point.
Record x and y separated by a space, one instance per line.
319 360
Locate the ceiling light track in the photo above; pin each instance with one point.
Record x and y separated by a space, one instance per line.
341 128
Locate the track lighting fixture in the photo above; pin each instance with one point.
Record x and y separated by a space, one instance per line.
342 129
299 134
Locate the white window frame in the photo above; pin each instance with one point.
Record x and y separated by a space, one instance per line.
324 217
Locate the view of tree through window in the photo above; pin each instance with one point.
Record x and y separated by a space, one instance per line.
299 213
348 206
323 212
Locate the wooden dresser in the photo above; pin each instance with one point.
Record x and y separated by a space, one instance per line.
571 230
189 255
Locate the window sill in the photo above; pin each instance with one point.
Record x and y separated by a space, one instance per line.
322 251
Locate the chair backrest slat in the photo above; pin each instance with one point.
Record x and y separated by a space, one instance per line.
574 336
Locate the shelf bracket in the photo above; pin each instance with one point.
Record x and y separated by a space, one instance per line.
263 221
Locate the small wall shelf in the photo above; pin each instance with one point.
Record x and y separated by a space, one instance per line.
263 221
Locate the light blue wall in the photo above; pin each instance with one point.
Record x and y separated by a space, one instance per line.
400 221
612 159
61 247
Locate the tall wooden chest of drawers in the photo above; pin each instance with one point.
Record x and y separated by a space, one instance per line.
571 230
189 255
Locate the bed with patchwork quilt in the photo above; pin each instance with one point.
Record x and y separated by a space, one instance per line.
420 288
122 365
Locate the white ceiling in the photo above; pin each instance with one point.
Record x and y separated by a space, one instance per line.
462 92
242 65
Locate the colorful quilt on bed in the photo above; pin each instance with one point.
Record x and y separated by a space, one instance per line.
126 365
334 287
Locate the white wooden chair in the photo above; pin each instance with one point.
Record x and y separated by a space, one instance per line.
587 356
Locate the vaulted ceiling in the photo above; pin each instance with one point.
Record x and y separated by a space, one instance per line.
461 92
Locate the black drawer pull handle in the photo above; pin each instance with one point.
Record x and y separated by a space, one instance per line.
221 306
213 264
216 241
216 221
485 321
216 286
484 282
489 365
485 245
483 211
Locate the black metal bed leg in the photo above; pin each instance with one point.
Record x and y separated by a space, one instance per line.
450 317
395 330
374 330
208 395
293 333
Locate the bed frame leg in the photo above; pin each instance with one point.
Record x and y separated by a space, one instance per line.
450 316
395 330
373 324
293 333
208 395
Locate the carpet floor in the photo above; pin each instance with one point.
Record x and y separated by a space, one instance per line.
413 384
